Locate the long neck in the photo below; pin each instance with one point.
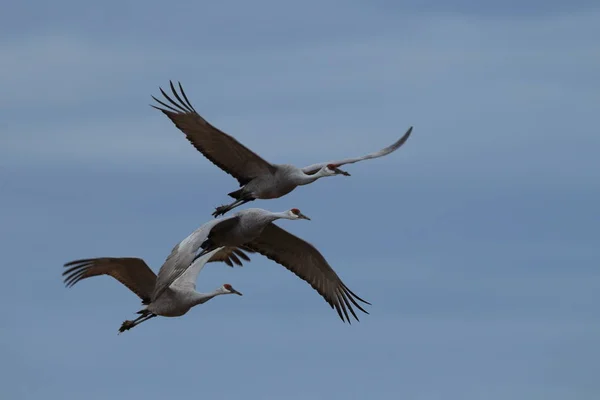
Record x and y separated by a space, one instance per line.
253 223
280 215
302 178
269 216
200 298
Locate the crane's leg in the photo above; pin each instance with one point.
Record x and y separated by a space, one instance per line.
228 207
126 325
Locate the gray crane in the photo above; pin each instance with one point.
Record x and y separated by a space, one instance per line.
134 273
253 230
258 179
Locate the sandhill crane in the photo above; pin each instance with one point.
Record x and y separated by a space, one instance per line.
135 274
258 179
253 230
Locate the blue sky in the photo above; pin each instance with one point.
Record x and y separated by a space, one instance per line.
476 243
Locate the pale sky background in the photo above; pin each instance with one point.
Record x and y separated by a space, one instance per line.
477 242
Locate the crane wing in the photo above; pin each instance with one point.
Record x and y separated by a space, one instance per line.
183 254
188 279
312 169
220 148
304 260
134 273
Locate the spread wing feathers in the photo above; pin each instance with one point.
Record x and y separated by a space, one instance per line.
134 273
220 148
304 260
231 255
312 169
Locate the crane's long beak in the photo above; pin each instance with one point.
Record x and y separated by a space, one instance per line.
339 171
236 292
302 216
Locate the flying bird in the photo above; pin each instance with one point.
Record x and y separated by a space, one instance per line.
258 178
134 273
253 230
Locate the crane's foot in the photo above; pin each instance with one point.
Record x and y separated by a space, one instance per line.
227 207
221 210
126 325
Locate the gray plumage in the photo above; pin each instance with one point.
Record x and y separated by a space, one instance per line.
176 300
253 230
258 179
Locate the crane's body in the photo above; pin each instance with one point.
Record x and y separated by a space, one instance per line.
258 178
243 227
236 230
285 179
253 230
181 295
282 180
175 301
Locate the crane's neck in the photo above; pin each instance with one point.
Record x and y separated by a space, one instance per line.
266 217
201 298
303 178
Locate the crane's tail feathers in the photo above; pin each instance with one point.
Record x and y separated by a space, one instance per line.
236 194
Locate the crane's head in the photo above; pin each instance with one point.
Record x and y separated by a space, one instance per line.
332 169
294 213
228 289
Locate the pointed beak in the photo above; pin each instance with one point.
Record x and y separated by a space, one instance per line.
236 292
302 216
339 171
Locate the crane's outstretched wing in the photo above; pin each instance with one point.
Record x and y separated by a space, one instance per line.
304 260
220 148
312 169
187 280
183 254
134 273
